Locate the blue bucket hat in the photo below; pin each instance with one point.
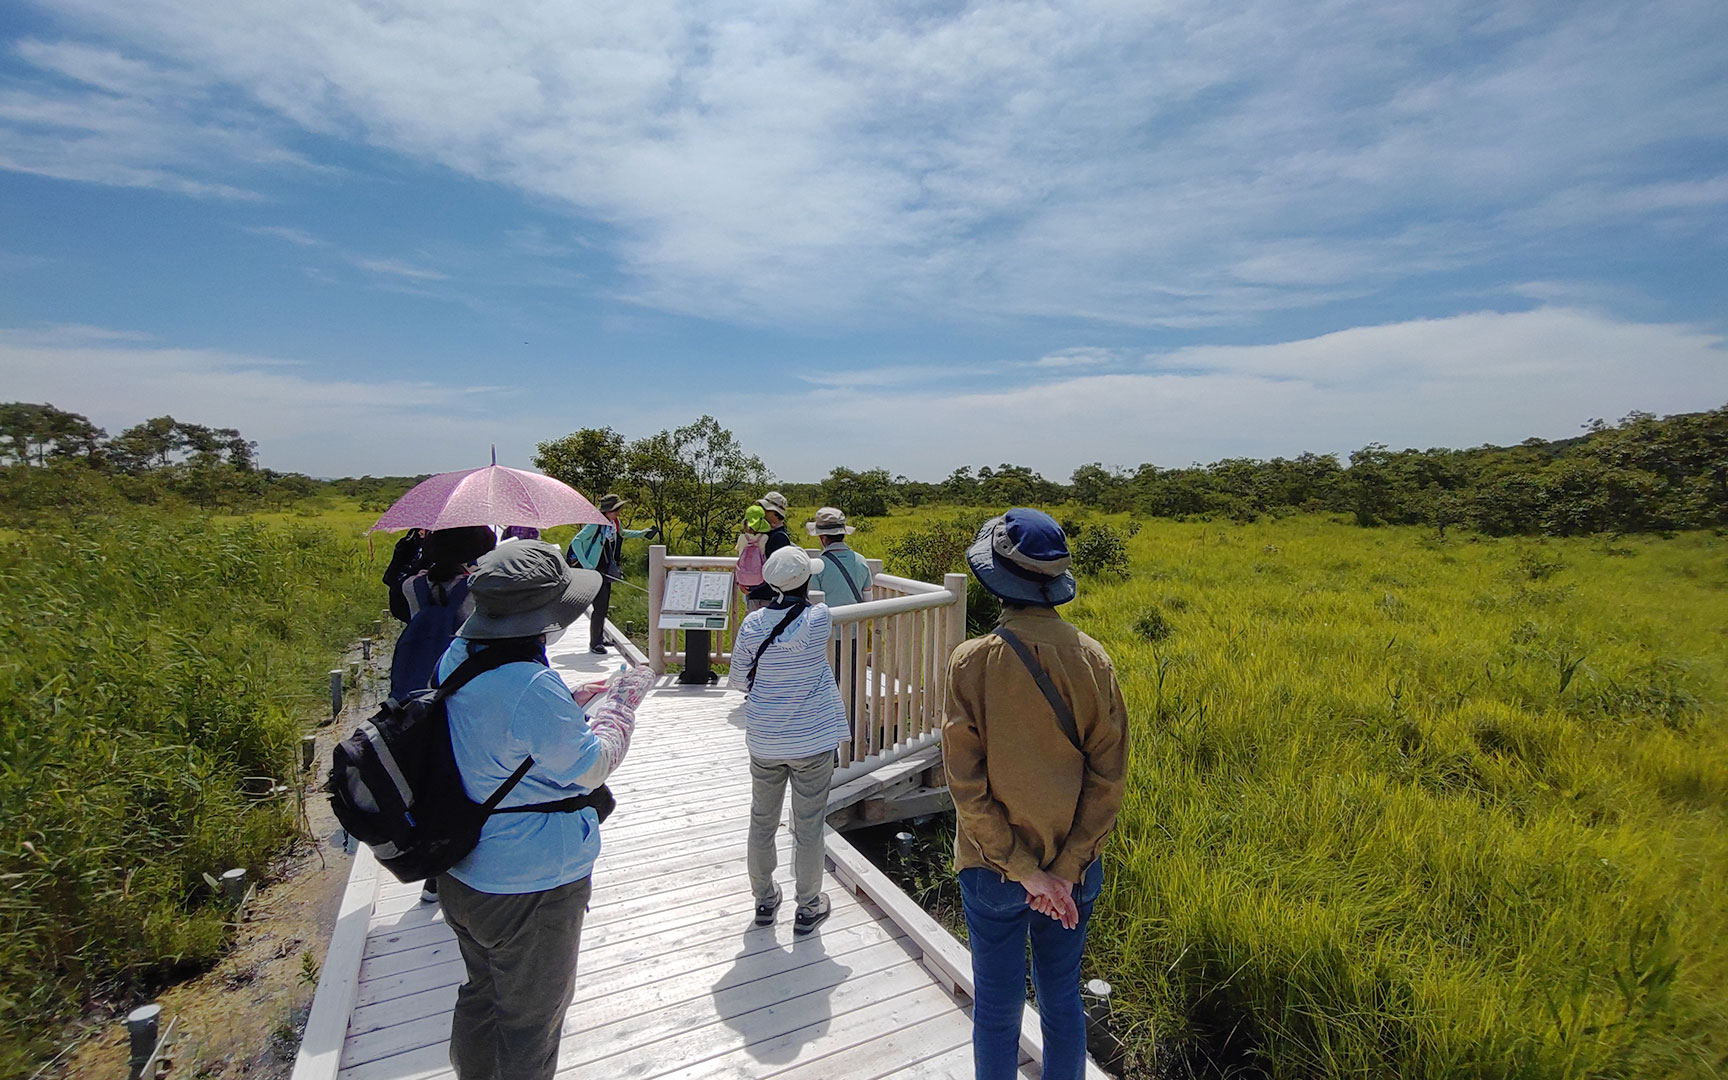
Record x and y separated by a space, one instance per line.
1022 558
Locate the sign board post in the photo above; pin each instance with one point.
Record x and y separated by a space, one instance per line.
697 602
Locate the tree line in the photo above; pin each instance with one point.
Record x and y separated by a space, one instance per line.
57 462
1641 474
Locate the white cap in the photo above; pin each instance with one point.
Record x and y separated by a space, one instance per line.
788 568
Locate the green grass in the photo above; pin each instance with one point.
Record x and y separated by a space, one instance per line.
1408 808
150 662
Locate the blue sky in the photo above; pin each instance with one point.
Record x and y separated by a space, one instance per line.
378 236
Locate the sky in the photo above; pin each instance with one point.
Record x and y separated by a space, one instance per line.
381 236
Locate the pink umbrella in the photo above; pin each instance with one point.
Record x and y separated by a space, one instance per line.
495 495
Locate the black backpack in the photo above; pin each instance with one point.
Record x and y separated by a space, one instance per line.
395 787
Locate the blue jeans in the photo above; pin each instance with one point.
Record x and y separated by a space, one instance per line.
999 922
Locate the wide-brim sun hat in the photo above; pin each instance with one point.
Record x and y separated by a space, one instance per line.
1022 558
829 522
610 502
773 501
524 588
788 568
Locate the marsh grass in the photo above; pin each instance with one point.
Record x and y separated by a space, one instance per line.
150 662
1418 808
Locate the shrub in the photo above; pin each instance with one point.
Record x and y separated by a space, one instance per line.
1153 625
1100 552
937 547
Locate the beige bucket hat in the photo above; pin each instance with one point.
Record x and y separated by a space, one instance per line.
830 521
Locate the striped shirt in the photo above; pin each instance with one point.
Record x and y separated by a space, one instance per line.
794 710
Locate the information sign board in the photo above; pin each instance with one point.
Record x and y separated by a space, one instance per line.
696 600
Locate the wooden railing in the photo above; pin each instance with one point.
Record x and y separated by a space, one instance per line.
891 660
889 653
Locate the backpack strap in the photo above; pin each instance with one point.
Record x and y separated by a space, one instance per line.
1064 715
488 659
456 593
600 800
834 560
417 590
491 659
792 613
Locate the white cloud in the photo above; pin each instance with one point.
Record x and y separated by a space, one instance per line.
1463 381
1456 382
303 421
1077 357
398 268
1183 163
894 375
297 237
131 123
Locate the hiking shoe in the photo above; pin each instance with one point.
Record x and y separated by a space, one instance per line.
601 649
429 891
765 909
810 915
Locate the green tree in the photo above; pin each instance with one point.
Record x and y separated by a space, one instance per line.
592 460
861 494
30 434
1095 486
656 470
150 444
715 481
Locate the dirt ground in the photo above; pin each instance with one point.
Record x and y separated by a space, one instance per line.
244 1017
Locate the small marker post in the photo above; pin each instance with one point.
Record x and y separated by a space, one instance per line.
143 1028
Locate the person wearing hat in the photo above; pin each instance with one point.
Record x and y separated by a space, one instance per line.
1035 744
793 722
601 548
517 900
773 507
440 557
845 577
752 554
432 602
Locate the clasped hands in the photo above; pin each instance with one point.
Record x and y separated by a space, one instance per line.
1050 895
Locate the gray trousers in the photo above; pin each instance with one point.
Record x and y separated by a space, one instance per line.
809 778
520 951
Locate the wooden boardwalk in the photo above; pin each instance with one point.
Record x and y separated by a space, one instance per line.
673 979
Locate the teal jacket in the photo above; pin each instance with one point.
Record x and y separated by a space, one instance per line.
588 546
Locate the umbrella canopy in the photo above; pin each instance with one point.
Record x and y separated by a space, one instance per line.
494 495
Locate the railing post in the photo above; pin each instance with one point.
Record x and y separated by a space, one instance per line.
875 566
955 633
656 595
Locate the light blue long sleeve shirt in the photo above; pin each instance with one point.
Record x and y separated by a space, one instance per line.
499 718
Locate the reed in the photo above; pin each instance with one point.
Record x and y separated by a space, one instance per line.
150 662
1405 807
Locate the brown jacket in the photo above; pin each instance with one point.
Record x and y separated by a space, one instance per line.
1025 798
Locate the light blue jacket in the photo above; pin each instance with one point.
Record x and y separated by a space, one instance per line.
588 546
500 718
